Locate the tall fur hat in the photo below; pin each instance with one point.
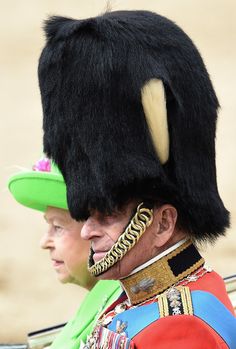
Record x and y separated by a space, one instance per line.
130 112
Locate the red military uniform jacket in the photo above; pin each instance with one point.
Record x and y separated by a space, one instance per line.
187 331
194 314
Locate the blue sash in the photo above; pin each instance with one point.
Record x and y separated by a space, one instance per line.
206 306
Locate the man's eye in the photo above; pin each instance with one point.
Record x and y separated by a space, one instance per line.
109 219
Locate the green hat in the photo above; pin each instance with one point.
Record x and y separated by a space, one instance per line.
40 187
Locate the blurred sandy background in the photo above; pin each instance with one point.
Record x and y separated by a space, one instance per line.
30 295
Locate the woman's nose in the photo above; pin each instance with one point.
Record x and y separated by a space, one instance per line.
46 241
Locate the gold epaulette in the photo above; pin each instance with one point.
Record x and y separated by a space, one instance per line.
175 301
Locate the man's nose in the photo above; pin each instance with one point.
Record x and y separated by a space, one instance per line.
46 241
90 229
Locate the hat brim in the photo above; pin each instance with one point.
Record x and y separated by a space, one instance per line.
38 190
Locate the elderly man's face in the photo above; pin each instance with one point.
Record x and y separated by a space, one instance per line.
68 251
103 231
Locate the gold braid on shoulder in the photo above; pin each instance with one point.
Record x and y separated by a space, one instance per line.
141 220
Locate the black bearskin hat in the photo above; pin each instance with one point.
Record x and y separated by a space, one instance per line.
130 112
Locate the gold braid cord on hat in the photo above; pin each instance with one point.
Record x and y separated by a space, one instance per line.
141 220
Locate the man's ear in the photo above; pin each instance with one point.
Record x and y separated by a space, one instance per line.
165 217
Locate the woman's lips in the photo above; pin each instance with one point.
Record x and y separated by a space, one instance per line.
56 263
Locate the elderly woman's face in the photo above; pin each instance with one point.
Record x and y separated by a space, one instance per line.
68 251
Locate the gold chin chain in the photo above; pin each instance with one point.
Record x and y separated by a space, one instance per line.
141 220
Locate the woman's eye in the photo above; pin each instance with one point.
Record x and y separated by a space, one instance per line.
57 227
58 230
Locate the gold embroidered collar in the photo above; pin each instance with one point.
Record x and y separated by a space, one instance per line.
163 273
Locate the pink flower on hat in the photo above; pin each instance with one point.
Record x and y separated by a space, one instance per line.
43 165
